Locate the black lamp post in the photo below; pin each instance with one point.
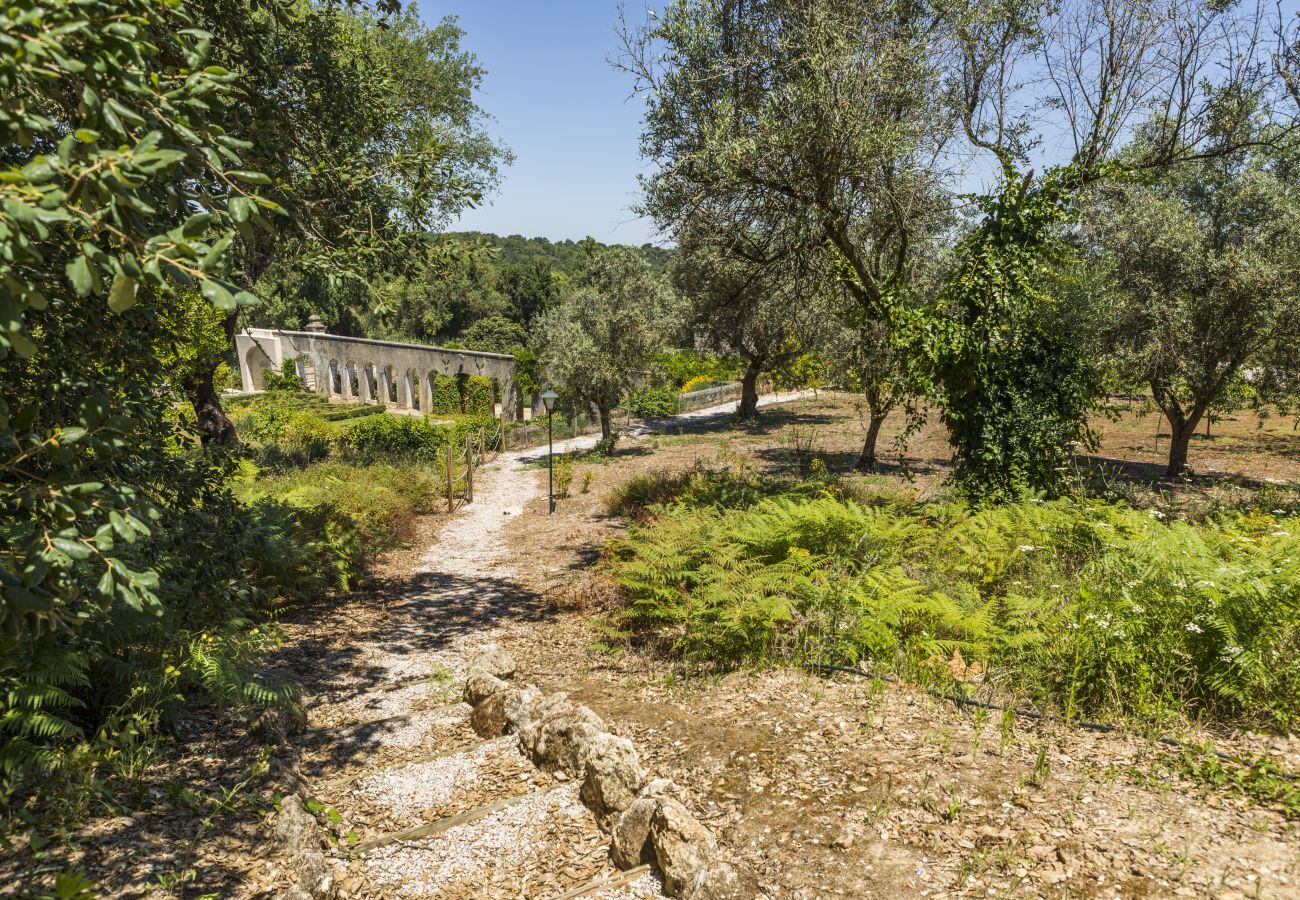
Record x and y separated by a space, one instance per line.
548 400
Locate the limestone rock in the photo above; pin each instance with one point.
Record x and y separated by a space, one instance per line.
630 842
489 718
492 659
611 777
683 847
559 735
718 881
480 685
660 787
520 706
298 834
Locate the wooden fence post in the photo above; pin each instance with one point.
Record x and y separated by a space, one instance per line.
469 469
450 479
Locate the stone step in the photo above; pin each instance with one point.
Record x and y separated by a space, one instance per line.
398 798
338 752
542 845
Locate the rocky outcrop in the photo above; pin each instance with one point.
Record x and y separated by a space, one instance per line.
493 660
630 837
480 685
645 824
489 718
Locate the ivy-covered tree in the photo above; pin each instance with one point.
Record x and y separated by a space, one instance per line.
599 340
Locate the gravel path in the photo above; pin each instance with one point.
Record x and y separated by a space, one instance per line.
389 747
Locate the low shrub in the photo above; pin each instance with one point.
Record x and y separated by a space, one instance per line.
700 383
680 366
652 403
1085 608
407 436
479 396
445 395
318 527
563 475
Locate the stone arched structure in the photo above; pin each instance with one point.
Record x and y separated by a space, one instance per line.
329 363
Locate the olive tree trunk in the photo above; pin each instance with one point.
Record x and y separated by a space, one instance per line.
749 390
867 461
214 425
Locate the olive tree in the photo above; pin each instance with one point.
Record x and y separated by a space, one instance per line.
599 337
759 296
847 117
1206 271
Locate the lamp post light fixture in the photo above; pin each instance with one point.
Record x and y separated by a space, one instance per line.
548 400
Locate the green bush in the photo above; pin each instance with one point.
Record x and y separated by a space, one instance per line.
319 526
445 395
479 396
652 403
680 366
394 435
1082 607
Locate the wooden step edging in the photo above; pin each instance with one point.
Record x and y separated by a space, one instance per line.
606 884
433 829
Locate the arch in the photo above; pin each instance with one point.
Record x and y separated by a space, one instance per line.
335 378
256 362
406 390
350 380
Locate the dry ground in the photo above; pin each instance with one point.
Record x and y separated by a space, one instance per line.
848 788
817 787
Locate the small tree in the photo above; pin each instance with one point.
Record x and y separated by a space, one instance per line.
867 360
598 339
1207 270
757 297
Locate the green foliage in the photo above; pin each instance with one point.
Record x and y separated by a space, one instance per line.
564 465
495 334
318 527
680 367
1013 380
652 403
598 341
478 396
445 393
287 379
411 436
1087 608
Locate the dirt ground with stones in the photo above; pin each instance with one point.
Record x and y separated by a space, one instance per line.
815 787
844 788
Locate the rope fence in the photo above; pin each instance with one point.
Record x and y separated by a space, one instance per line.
478 450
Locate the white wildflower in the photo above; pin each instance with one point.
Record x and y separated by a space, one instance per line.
1193 628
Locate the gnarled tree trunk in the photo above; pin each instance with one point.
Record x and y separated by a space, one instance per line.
748 409
867 461
215 426
606 429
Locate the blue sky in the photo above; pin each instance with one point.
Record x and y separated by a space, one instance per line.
568 116
563 110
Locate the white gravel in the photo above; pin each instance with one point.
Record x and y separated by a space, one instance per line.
412 790
334 710
426 867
